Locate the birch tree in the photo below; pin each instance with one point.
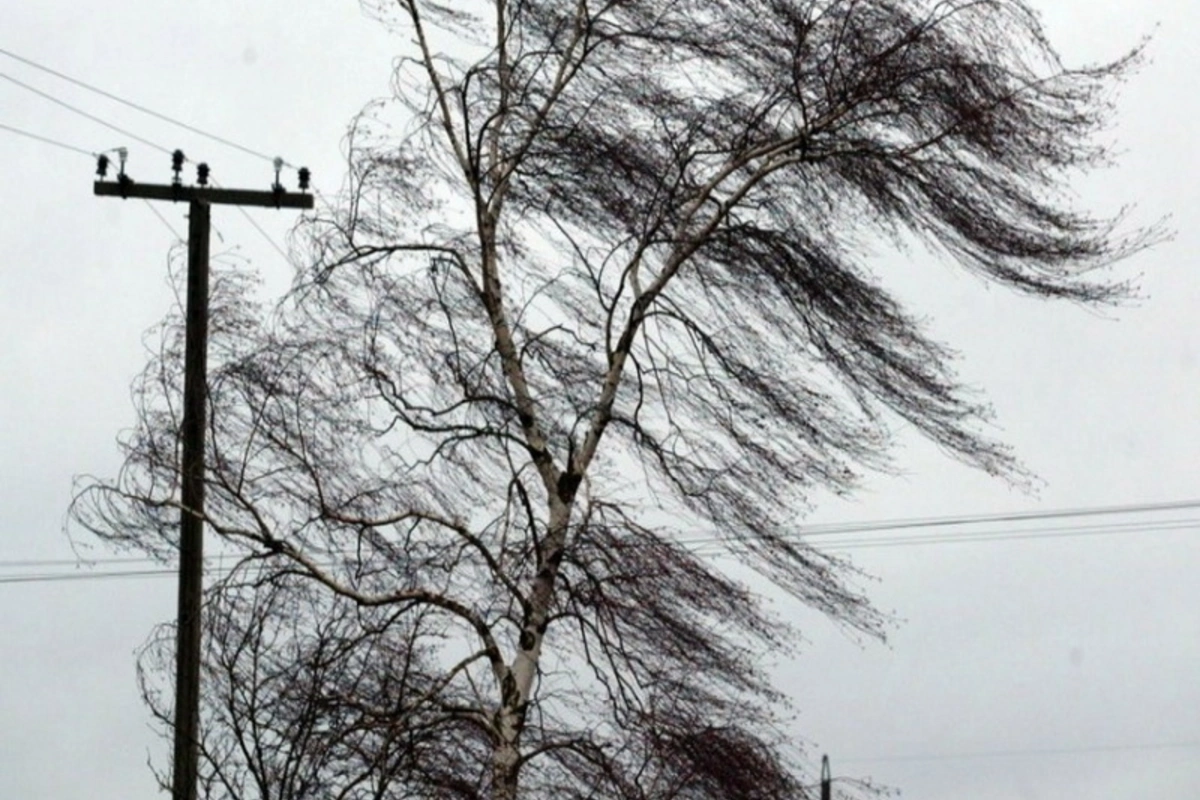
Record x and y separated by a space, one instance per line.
593 307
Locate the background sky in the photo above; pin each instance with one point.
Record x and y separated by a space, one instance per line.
1061 666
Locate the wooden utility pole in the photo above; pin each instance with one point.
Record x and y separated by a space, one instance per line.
199 198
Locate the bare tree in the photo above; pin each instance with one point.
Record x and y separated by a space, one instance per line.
601 300
308 696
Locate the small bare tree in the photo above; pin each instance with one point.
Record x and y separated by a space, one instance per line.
600 300
308 696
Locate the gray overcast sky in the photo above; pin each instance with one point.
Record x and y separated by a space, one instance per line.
1027 669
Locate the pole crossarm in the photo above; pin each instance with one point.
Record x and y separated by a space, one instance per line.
187 194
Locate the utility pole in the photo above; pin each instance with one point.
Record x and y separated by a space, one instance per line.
199 198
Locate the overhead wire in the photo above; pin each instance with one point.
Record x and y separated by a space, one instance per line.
47 140
1010 535
254 223
55 577
1021 753
270 239
716 546
816 533
1003 516
138 107
262 231
866 525
150 112
83 113
164 118
65 146
706 546
164 220
73 562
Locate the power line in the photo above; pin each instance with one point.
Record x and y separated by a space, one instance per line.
222 140
845 527
262 231
940 538
1010 535
162 572
157 213
270 239
709 546
47 140
1038 751
83 113
79 562
125 132
838 529
143 109
80 576
163 219
265 235
1017 516
712 545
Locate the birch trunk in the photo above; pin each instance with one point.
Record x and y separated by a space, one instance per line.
516 686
